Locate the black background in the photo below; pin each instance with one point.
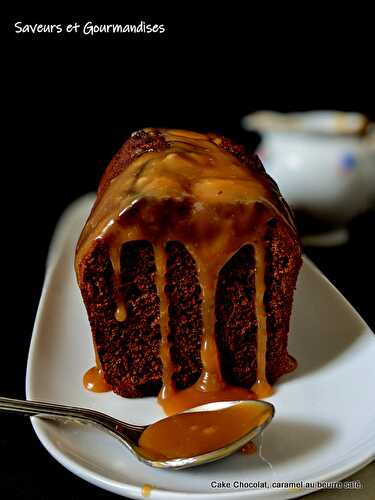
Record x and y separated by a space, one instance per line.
70 101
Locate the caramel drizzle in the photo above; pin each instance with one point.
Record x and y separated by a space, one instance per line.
165 355
93 379
261 387
115 257
210 378
185 172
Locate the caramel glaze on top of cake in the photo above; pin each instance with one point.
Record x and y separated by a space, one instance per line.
195 192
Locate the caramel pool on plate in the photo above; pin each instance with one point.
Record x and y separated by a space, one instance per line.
191 434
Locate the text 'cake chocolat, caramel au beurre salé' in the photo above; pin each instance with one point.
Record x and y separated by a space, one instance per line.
187 266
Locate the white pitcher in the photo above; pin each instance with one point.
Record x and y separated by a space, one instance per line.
323 161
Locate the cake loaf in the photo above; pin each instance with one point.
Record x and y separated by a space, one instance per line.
187 266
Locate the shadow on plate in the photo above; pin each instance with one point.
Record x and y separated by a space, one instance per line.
291 440
323 326
284 443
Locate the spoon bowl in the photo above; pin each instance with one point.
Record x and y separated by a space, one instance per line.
129 434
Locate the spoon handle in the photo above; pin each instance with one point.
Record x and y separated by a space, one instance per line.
36 408
62 412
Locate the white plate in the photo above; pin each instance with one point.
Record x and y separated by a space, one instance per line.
324 428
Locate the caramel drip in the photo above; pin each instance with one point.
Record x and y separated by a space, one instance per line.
210 379
93 380
249 448
196 193
209 260
261 387
115 256
167 389
146 490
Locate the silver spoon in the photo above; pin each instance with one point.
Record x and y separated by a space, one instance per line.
129 434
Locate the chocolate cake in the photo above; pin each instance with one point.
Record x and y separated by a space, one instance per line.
187 267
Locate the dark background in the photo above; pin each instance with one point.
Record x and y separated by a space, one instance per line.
69 103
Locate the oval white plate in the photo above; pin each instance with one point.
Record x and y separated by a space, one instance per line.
324 428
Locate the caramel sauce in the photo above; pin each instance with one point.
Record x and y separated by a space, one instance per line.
191 434
115 255
93 380
196 193
196 395
146 490
261 387
167 389
249 449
